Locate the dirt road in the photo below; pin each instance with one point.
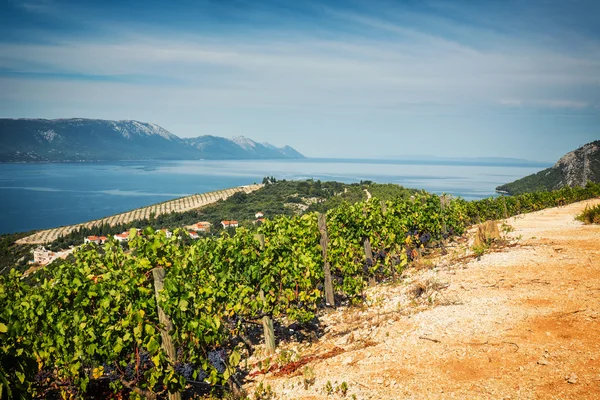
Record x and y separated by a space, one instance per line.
522 322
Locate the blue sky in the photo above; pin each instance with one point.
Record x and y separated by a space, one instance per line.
332 78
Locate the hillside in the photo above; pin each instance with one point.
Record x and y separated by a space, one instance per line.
39 140
521 322
573 169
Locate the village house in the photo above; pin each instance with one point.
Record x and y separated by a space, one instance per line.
229 224
202 226
122 237
95 239
193 235
259 221
259 215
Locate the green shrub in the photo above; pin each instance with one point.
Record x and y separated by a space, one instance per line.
591 215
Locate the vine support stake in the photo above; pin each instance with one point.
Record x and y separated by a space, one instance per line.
268 329
369 258
166 324
261 239
443 203
267 322
328 284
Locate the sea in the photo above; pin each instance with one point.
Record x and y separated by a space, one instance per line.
47 195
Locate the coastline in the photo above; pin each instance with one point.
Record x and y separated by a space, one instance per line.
181 204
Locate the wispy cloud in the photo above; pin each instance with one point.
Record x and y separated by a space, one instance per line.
356 60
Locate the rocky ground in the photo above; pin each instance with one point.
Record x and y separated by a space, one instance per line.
520 322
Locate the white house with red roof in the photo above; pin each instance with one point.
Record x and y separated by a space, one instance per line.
193 235
95 239
122 237
259 214
202 226
229 224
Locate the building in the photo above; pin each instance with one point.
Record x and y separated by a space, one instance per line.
202 226
95 239
229 224
122 237
259 215
193 235
259 221
91 239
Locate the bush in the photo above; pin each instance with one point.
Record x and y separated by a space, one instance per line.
590 215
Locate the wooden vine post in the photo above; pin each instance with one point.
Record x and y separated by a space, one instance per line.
166 324
268 330
267 322
369 259
504 204
328 284
443 203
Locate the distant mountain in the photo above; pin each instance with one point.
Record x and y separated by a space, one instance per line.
35 140
239 147
573 169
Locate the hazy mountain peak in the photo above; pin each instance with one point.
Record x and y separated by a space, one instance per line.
79 139
244 142
130 128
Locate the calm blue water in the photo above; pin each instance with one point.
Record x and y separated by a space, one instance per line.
37 196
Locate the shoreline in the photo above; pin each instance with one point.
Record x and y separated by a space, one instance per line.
181 204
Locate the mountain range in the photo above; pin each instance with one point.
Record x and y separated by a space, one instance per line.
575 168
77 139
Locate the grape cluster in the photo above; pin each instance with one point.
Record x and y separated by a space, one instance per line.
365 268
380 255
129 372
216 358
201 374
145 361
186 370
110 372
43 376
409 253
424 238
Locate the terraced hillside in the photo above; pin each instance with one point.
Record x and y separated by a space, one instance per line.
178 205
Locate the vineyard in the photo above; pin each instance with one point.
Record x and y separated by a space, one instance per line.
164 318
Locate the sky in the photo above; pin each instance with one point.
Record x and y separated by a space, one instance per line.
367 79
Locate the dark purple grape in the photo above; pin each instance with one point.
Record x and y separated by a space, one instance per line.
216 358
129 372
201 374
